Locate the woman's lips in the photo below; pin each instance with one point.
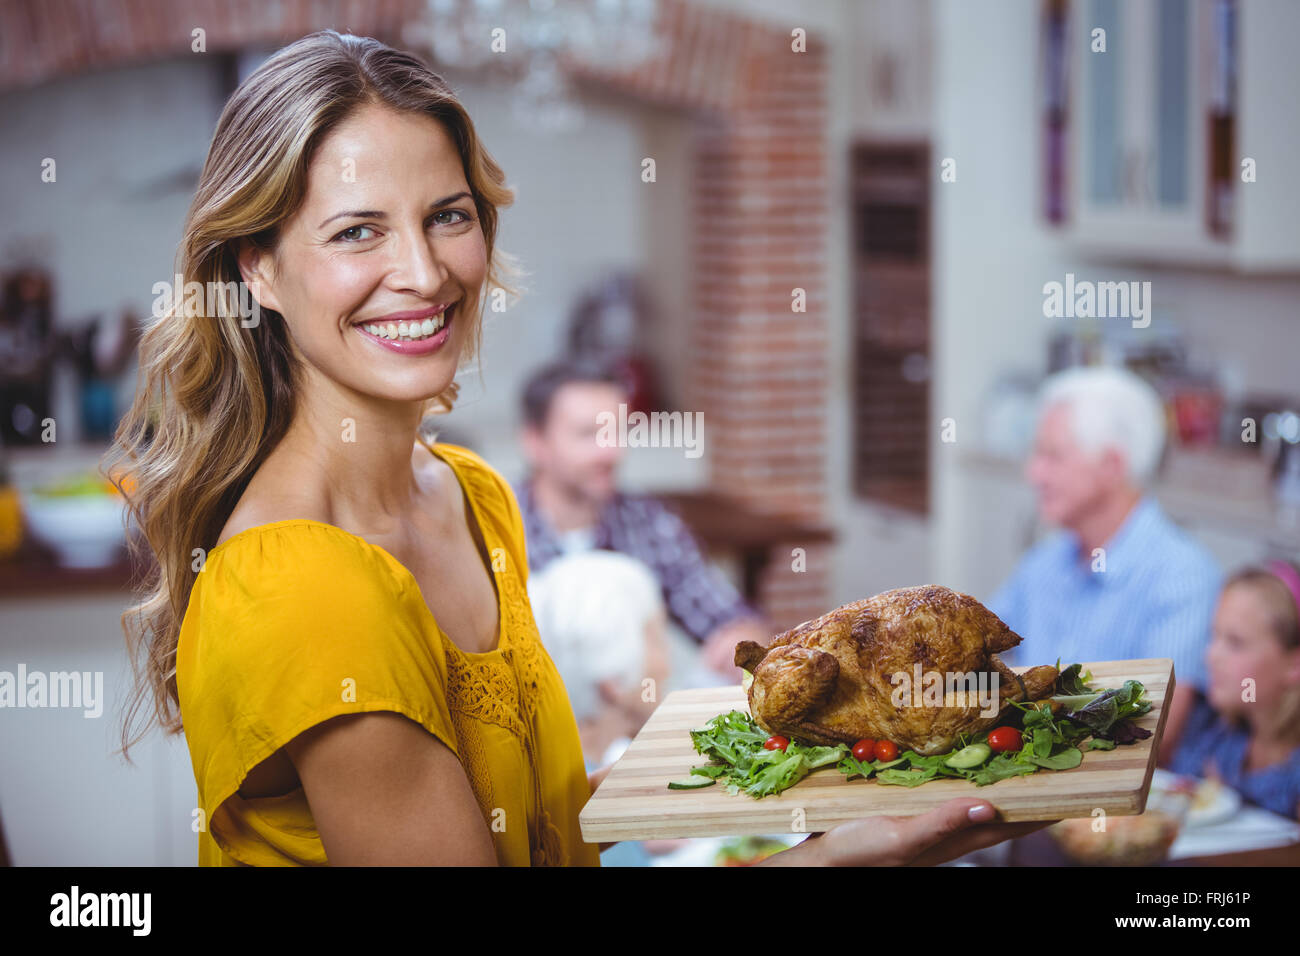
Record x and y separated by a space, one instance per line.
417 315
412 346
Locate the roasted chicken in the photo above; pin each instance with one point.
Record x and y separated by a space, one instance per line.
853 673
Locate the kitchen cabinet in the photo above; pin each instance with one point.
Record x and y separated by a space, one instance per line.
1135 149
1141 135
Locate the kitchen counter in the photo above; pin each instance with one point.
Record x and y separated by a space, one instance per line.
32 571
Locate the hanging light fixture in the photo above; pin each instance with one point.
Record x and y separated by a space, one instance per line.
530 40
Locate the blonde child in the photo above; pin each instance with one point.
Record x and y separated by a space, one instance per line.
1245 728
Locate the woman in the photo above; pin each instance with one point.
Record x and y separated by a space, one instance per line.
340 617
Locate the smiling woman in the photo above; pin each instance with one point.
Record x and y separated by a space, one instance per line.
338 619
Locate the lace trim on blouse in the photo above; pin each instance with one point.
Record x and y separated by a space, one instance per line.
503 691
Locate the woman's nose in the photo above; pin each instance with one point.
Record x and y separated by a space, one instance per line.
417 268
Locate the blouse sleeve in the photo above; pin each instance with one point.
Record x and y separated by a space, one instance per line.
298 624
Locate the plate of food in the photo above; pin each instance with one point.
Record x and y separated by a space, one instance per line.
1212 802
888 706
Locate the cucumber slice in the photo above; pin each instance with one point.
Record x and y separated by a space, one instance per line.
969 757
691 783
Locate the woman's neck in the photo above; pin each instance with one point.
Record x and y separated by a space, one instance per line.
359 459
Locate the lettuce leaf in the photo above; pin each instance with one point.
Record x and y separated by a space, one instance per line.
734 742
1073 680
1067 759
1111 706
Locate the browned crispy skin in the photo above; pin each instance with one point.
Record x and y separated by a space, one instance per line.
829 680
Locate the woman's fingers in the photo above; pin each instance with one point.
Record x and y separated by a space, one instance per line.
977 838
957 827
915 835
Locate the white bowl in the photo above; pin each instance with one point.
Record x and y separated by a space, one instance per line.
83 531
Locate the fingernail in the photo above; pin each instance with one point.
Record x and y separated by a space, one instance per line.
981 813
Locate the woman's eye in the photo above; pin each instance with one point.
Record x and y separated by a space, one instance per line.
350 234
451 212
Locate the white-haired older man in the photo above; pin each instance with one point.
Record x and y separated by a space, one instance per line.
1120 580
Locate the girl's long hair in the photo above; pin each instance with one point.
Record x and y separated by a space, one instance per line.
214 397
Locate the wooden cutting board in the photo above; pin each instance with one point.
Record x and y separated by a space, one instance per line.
634 802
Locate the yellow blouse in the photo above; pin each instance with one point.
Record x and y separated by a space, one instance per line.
297 621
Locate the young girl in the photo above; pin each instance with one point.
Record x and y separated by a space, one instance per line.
1245 729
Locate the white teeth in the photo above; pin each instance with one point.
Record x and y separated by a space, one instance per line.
409 331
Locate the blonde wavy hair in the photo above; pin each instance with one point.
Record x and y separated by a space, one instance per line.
216 397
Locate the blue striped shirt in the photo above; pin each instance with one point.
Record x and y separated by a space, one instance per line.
1155 598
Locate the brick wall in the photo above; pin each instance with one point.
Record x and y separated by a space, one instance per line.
758 370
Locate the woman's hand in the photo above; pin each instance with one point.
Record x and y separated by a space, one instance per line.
958 827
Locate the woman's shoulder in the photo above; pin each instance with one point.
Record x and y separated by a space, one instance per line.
304 597
271 576
286 546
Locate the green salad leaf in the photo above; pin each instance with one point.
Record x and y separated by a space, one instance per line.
1112 706
1072 680
735 743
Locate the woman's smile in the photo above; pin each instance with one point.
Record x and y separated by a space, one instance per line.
415 333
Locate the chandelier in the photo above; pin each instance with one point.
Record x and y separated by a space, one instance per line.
529 40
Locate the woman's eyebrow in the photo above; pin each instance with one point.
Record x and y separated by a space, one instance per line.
380 214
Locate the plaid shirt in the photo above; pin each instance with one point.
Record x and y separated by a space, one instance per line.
697 594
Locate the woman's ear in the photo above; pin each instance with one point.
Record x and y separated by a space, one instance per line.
257 269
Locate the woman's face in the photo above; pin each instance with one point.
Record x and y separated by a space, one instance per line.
387 233
1243 647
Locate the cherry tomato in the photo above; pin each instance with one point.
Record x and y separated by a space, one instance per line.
864 749
776 742
1004 738
886 750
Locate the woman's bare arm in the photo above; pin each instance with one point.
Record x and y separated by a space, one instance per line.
385 791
